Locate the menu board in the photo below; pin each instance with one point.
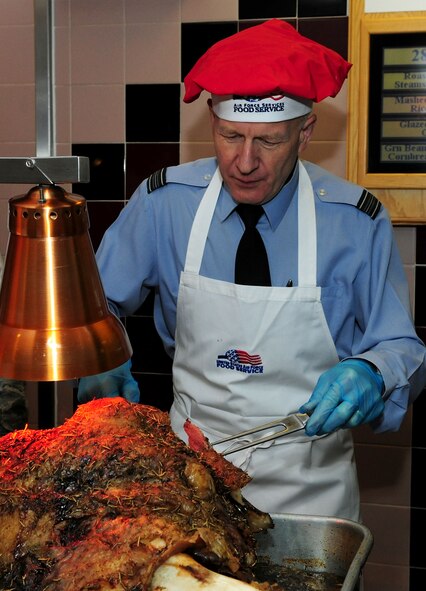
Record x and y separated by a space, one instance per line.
397 103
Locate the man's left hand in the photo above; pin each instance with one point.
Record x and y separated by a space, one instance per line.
115 382
347 395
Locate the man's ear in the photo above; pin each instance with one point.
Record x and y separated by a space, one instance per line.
209 103
306 131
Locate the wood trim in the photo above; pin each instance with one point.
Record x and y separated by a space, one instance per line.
402 194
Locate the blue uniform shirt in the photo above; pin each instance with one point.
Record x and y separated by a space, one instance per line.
364 291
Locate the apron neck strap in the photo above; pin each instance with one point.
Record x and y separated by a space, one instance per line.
201 224
307 231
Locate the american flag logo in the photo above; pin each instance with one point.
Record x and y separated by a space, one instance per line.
239 356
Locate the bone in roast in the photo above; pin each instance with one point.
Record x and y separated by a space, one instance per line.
112 498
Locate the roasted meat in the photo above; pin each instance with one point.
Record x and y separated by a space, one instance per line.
102 501
234 478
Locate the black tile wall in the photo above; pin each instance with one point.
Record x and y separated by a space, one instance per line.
420 297
421 245
106 171
152 112
417 579
156 390
101 216
323 8
196 38
418 482
247 24
147 306
417 551
418 425
46 405
271 9
418 452
144 159
331 32
148 352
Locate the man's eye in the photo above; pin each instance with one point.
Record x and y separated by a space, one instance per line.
269 143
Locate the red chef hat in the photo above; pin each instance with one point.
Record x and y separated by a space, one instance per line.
267 72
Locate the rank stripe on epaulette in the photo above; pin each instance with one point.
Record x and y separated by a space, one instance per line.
156 180
369 204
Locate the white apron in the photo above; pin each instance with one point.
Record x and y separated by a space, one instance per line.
246 355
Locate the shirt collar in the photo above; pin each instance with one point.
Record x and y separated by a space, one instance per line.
274 209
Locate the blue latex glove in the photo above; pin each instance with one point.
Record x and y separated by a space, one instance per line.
115 382
348 394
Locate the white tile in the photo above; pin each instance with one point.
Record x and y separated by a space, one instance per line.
92 107
17 113
331 117
406 240
62 55
385 577
62 13
365 434
97 54
17 65
152 53
390 527
97 12
410 272
389 482
63 113
17 12
195 123
206 10
152 11
190 151
17 149
330 155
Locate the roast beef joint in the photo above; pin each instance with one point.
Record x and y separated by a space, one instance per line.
114 500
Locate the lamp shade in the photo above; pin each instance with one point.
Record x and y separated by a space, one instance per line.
54 318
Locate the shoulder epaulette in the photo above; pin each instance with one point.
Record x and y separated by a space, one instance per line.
156 180
369 204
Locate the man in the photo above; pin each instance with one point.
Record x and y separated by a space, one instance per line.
326 328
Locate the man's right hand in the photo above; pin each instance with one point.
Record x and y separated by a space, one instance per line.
115 382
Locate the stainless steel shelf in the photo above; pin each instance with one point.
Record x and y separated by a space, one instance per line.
53 169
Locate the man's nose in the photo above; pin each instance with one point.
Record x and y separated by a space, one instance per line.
247 158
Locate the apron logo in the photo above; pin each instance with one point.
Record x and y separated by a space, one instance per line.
239 360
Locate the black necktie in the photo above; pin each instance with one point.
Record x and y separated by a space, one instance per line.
251 261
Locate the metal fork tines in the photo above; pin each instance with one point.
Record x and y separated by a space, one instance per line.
290 424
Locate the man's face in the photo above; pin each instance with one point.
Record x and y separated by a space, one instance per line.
255 159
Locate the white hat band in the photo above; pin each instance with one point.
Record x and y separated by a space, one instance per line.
259 109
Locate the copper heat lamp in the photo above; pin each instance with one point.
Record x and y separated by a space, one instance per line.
54 319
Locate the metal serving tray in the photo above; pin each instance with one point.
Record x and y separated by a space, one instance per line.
317 545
